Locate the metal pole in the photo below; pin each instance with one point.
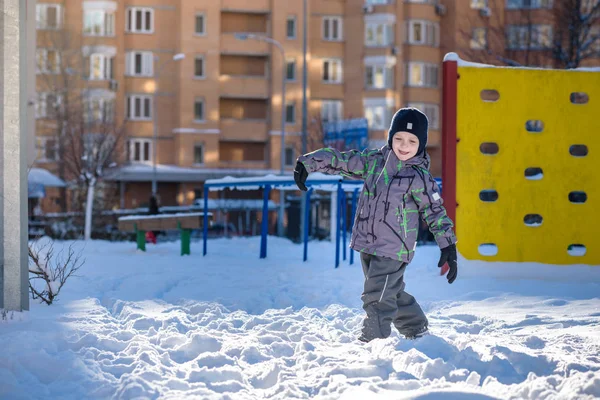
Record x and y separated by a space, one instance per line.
205 217
155 135
303 203
343 209
264 227
306 219
338 226
282 151
304 81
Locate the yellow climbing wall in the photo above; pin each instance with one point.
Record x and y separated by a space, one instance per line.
497 230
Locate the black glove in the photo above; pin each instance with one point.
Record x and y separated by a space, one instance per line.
449 256
300 175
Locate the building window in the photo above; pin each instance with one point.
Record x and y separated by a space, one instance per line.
290 157
139 107
290 72
47 105
48 61
140 20
431 110
377 35
378 116
479 4
528 4
199 110
199 153
290 113
139 63
48 16
479 39
422 74
291 28
99 109
200 28
522 37
46 149
332 71
139 150
40 106
332 28
379 77
423 33
199 67
101 67
331 110
98 23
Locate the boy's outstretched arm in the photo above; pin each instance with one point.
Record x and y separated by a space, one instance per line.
351 164
431 208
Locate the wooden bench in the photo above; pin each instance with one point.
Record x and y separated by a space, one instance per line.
185 222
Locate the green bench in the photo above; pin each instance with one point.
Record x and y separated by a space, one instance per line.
140 224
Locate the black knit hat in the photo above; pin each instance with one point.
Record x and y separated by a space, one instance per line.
411 120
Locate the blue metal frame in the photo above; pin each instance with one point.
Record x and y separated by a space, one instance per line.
276 184
273 184
265 222
306 223
337 227
344 203
205 227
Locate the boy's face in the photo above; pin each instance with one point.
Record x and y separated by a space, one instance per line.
405 145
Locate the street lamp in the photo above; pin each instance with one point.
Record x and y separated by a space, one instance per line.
245 36
176 57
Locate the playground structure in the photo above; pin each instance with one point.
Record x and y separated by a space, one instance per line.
338 186
520 158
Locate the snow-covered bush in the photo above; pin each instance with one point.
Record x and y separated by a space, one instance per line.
49 269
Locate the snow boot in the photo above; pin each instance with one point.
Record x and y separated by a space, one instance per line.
417 334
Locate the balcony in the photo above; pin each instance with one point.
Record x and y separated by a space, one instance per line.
231 45
244 86
246 130
254 6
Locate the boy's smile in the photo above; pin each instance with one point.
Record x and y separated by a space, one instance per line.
405 145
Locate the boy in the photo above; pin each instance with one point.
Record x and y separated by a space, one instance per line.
398 187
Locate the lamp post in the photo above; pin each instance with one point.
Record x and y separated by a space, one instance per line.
176 57
245 36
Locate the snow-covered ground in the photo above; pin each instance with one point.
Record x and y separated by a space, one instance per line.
233 326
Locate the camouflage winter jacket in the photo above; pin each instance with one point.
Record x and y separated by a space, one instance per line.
394 192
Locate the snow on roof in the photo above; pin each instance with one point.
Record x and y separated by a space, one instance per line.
40 176
316 180
175 216
464 63
232 204
172 173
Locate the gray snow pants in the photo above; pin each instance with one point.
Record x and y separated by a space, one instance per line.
385 301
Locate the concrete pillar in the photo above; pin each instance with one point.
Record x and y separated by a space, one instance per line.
13 161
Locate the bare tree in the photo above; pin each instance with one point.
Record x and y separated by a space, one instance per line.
48 272
576 32
60 71
77 105
91 147
563 36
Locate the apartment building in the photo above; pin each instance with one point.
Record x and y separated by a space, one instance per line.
181 67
